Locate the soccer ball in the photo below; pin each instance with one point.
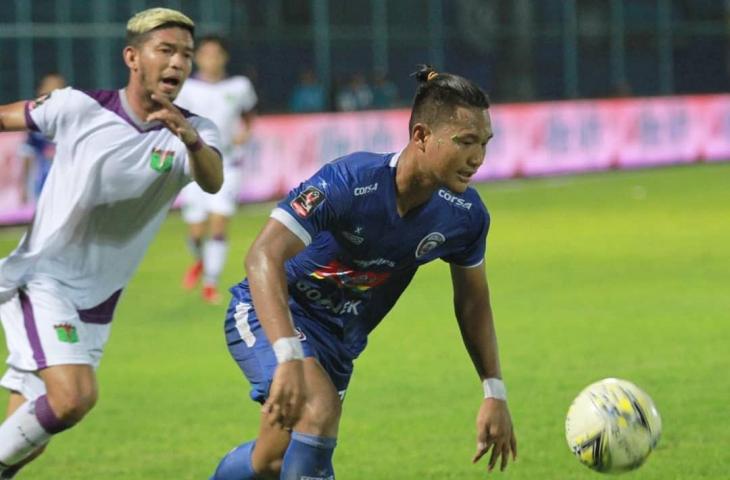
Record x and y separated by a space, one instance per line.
612 426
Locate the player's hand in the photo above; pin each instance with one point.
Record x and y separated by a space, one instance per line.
286 396
173 119
494 430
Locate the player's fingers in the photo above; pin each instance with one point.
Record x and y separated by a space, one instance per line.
513 445
505 456
496 450
164 101
482 448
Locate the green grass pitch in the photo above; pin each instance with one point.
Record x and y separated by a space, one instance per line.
622 274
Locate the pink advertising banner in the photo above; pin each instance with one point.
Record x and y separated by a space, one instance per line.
529 140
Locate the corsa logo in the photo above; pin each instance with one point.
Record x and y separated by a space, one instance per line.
454 200
365 190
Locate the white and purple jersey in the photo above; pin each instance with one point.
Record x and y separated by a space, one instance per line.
361 254
111 185
223 102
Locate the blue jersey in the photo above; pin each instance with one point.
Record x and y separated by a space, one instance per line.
360 253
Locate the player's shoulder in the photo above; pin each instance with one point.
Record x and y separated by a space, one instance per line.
360 167
239 82
469 203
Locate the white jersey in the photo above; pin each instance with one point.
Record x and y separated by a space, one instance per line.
223 102
112 182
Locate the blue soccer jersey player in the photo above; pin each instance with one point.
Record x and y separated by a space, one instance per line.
333 260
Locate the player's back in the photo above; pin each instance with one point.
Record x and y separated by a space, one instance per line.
361 254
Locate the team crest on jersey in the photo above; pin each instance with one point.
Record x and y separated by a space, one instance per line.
305 203
428 243
66 333
38 101
161 160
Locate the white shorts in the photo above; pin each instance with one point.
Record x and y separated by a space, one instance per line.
197 204
43 329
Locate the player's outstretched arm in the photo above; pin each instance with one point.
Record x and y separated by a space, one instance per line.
267 281
12 117
474 314
206 164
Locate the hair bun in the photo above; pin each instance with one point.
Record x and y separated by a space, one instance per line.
425 73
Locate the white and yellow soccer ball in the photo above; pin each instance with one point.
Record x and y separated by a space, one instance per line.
612 426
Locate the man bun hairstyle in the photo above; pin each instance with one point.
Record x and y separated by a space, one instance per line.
147 21
439 94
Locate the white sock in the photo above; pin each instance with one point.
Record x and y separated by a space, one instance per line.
21 434
214 258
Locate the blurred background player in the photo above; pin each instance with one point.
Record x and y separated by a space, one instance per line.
122 157
332 261
229 102
37 151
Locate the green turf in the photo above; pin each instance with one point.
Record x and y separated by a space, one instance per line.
621 274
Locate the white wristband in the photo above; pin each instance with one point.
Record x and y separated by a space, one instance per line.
494 388
288 348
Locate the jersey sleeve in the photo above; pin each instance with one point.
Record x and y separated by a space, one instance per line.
209 134
49 113
315 205
472 254
248 98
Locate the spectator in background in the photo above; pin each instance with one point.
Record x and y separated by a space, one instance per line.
308 94
37 151
356 95
385 93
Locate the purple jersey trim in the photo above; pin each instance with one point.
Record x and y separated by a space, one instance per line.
111 100
31 330
29 122
102 313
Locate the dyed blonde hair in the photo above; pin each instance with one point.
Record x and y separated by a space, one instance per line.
152 19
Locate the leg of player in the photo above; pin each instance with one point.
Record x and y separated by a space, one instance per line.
242 464
307 454
71 394
196 234
15 401
215 252
314 437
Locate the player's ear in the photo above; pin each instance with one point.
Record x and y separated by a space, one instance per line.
419 135
131 56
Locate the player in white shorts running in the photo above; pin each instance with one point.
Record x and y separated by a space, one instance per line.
121 158
229 102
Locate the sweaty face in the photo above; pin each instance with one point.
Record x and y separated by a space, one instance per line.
456 148
165 61
210 58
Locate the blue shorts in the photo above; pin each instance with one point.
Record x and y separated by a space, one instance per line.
252 351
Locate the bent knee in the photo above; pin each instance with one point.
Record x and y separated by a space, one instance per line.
71 406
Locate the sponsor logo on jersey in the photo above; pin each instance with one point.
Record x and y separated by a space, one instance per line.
305 203
365 190
347 277
376 262
454 200
161 160
355 239
66 333
428 243
334 303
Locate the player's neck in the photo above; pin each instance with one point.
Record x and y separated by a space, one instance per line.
139 101
412 187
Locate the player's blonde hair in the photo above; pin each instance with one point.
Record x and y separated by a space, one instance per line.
151 19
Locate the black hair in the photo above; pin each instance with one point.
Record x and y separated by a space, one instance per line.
439 93
213 39
137 39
